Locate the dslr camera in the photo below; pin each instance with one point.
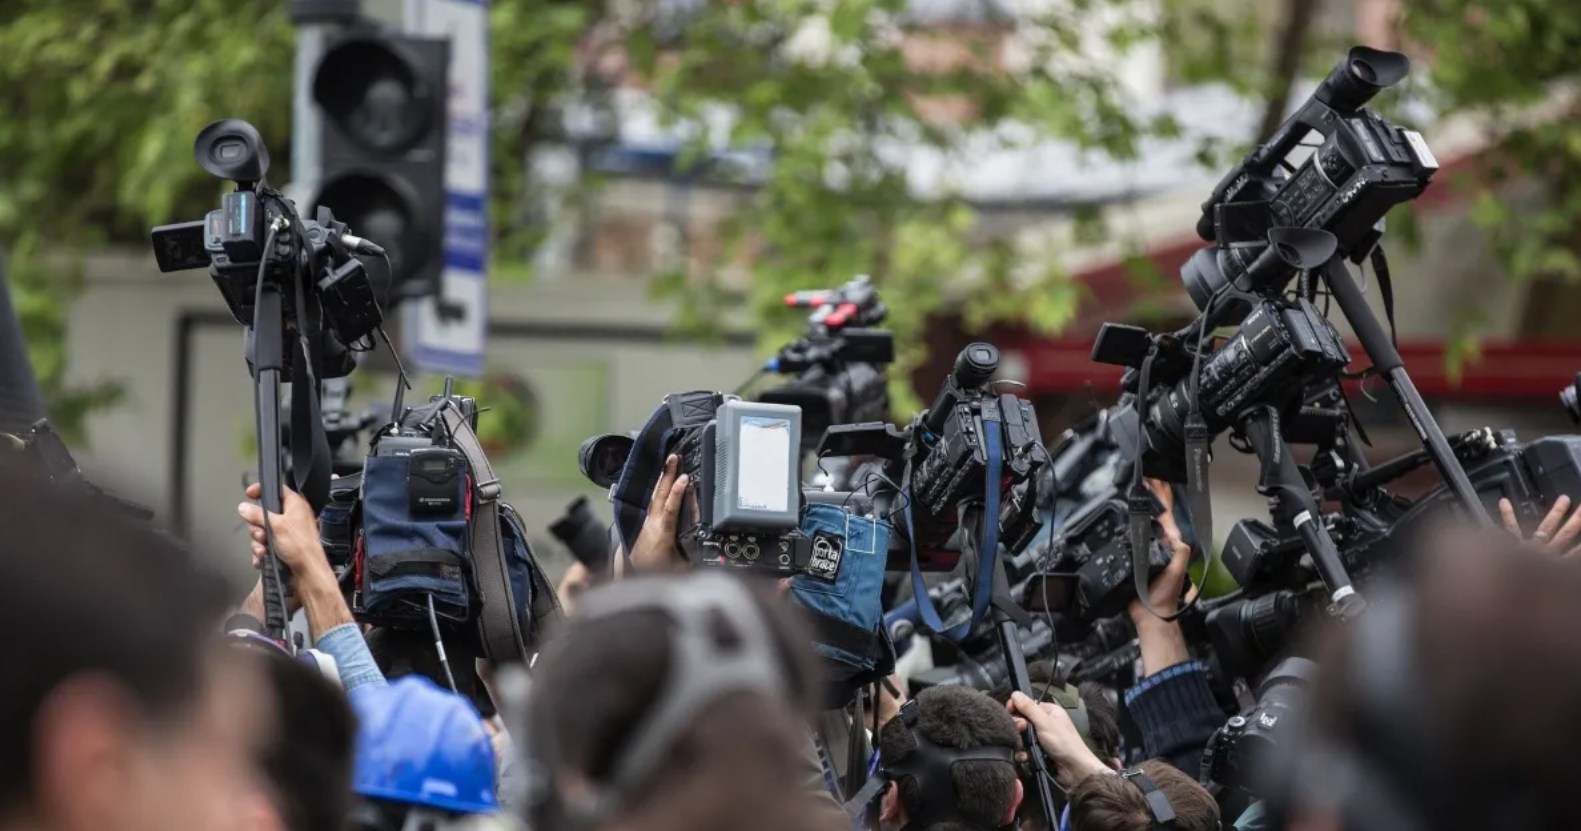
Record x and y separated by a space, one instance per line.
1243 749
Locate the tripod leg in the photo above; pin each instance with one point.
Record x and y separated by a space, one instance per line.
1376 343
1293 505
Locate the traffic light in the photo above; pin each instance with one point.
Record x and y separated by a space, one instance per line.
383 97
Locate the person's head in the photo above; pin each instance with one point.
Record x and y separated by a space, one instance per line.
118 712
305 763
1102 723
673 703
987 792
1119 803
424 758
403 652
1407 731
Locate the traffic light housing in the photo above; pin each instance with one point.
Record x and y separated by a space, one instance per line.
383 97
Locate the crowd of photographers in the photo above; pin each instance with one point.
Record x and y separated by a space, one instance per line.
723 655
686 700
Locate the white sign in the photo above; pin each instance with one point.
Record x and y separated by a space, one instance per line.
448 332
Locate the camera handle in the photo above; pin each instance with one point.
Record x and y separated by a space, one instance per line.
1293 505
1387 361
268 360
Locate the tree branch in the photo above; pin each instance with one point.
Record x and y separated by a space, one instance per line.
1297 23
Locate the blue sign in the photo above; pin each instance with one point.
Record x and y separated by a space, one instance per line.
448 332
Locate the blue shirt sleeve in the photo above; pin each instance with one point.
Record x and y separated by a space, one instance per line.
344 643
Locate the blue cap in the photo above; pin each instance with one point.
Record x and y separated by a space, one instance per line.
422 745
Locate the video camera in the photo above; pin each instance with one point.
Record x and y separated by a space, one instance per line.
742 508
1363 167
585 536
287 281
838 367
942 457
256 237
1280 349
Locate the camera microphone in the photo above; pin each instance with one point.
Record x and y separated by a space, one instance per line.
359 245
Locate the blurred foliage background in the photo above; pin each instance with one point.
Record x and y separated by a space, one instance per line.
101 99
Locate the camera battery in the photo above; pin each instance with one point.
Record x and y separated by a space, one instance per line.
434 481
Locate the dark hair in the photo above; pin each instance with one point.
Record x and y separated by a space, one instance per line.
1111 803
735 767
1103 721
95 592
1478 606
961 717
403 652
309 757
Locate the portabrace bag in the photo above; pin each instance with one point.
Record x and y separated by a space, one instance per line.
414 554
431 524
842 589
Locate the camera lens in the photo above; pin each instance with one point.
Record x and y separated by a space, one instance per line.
1571 401
602 458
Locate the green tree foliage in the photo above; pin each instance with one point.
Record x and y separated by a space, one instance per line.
101 101
1512 60
827 91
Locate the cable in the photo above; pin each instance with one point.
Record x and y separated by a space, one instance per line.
439 644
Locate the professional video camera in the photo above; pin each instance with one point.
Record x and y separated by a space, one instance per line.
1363 167
287 280
838 366
743 504
942 461
1241 750
42 452
968 470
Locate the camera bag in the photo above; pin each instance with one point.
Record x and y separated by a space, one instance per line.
472 557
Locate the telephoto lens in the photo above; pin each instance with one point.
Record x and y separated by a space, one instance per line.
584 535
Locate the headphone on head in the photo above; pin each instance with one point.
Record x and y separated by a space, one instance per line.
703 667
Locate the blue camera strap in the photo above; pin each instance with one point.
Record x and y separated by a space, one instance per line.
987 555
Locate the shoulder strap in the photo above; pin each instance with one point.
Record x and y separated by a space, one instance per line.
498 623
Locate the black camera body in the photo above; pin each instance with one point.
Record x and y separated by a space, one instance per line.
1281 348
837 368
256 235
1364 166
1531 475
586 537
1241 751
1089 576
941 461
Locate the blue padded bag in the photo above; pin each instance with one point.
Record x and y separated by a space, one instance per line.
842 588
406 556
